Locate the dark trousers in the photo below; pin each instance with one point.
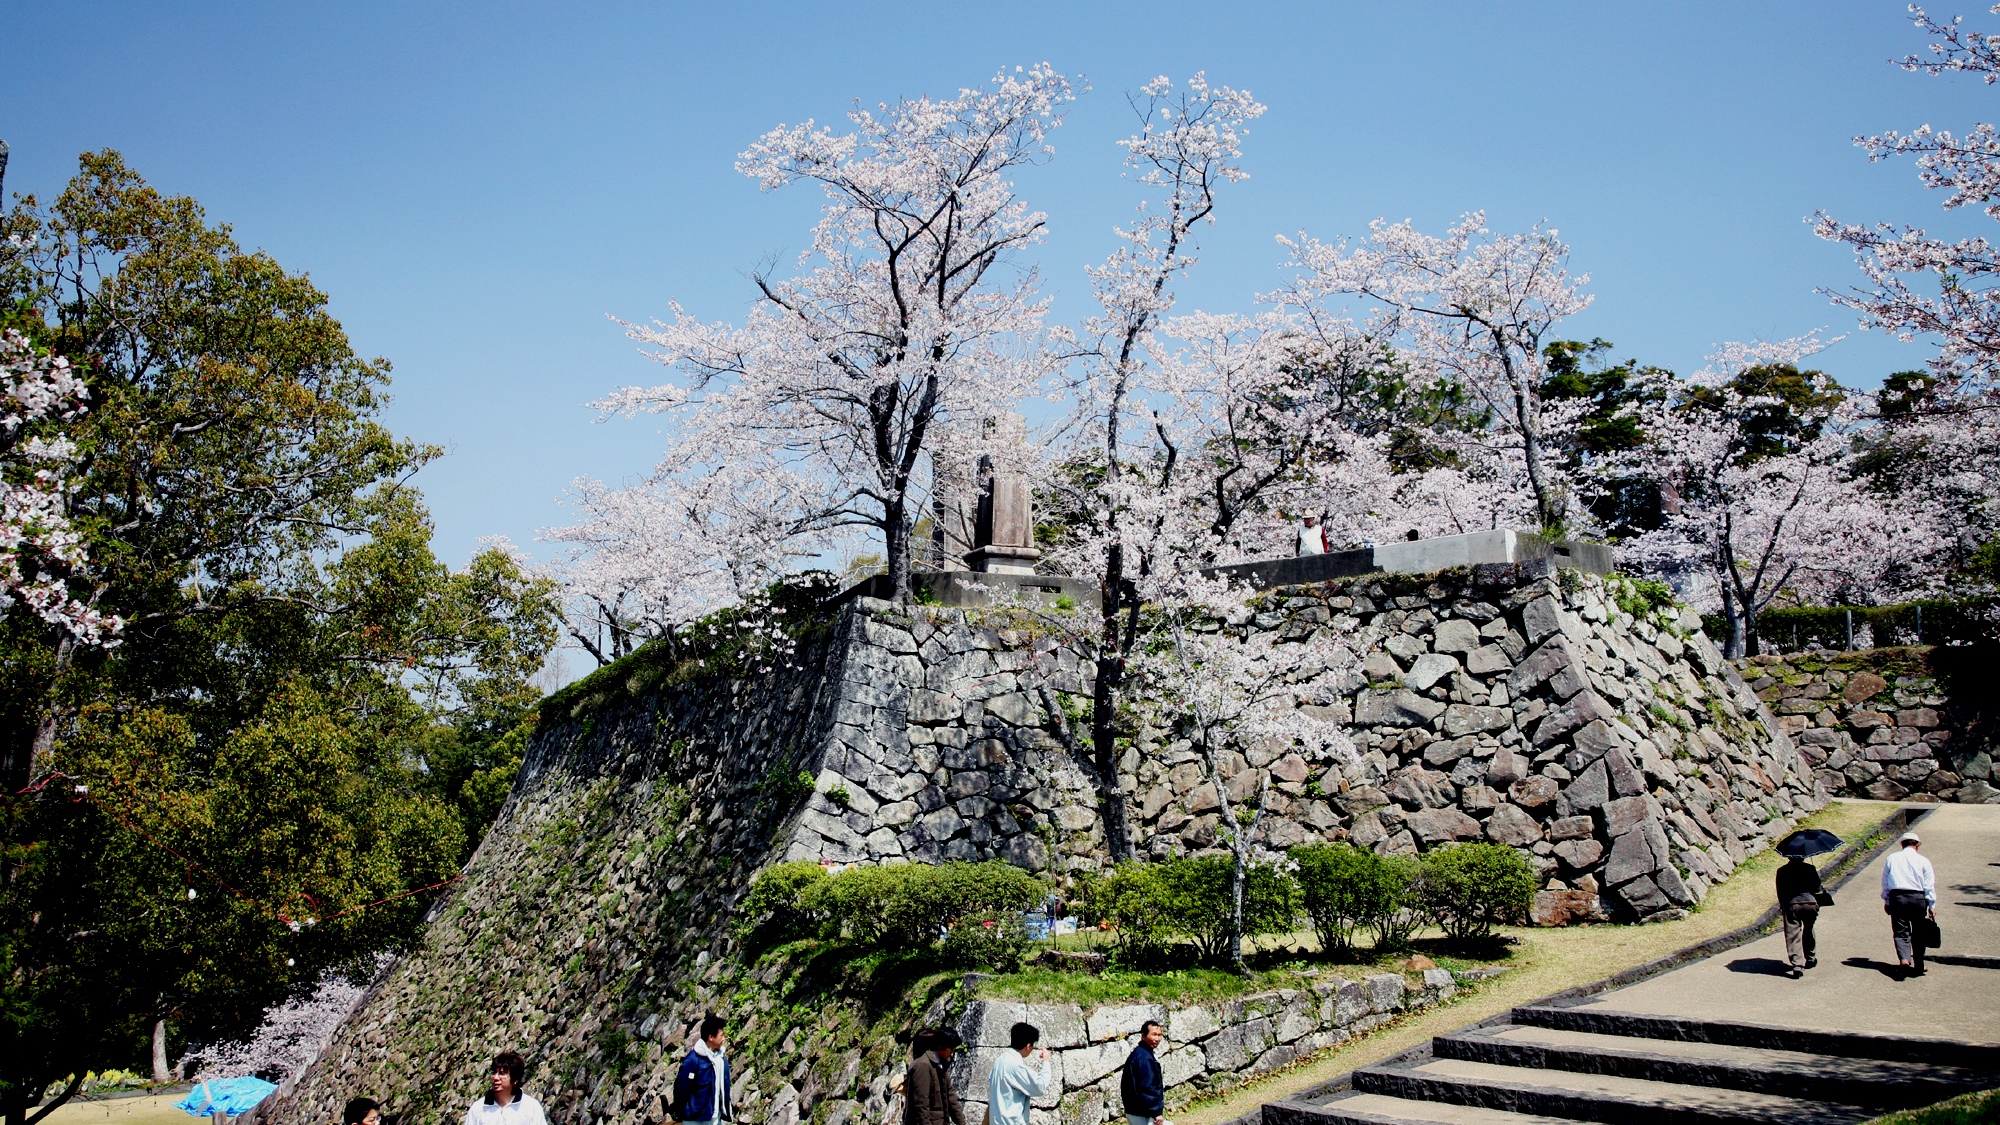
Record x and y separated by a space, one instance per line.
1906 909
1799 918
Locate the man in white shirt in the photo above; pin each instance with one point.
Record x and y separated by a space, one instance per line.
504 1103
1013 1086
1312 537
1909 897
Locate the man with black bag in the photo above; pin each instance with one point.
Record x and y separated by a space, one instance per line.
1909 898
1799 897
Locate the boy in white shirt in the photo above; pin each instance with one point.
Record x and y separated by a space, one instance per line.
504 1103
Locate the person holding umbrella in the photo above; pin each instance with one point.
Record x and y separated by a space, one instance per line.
1800 895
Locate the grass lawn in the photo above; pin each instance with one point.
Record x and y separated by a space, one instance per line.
157 1109
1966 1109
1545 961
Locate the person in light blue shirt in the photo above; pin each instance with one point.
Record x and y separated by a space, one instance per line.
1909 897
1014 1085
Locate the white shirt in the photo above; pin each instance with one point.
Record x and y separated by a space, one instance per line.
1312 540
522 1110
1012 1087
1908 870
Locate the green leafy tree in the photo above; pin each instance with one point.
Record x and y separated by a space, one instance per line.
307 712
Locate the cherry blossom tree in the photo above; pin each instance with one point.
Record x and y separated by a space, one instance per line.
1762 515
1222 687
292 1035
39 549
903 328
1188 145
656 555
1472 307
1963 311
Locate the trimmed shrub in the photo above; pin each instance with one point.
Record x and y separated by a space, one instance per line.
772 913
1466 888
910 905
1343 888
1155 904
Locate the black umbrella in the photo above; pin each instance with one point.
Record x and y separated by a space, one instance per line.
1808 841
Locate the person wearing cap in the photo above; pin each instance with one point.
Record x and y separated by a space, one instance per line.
1909 896
928 1098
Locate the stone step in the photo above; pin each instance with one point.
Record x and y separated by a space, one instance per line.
1983 1057
1596 1097
1377 1109
1877 1083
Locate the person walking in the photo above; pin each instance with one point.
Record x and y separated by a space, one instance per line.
1142 1089
701 1086
1013 1086
505 1103
1798 901
928 1098
1909 898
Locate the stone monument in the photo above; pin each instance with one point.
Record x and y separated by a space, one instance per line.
1003 537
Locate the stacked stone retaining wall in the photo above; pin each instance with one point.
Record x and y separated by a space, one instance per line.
1613 746
1208 1047
1879 724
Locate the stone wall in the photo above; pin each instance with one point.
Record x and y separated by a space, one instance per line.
1208 1047
1879 724
1620 753
1611 745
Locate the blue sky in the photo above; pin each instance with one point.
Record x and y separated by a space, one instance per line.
478 186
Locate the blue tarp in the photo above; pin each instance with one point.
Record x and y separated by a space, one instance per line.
230 1095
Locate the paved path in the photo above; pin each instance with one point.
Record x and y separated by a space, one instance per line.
1852 989
1730 1039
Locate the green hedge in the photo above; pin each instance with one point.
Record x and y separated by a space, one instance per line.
1935 622
1344 889
1154 905
906 907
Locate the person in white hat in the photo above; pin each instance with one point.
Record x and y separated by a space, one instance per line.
1909 895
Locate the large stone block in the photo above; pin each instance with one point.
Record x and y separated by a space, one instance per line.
1589 790
1181 1064
1442 826
1395 708
1385 991
1084 1065
1234 1047
1509 825
1186 1025
1428 669
1464 718
1120 1020
1455 635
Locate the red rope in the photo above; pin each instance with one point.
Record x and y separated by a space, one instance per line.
83 793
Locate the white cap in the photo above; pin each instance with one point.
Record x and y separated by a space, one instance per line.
1910 838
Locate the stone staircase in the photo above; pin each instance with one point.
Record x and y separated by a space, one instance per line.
1549 1064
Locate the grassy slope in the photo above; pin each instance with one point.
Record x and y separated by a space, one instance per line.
1966 1109
1546 961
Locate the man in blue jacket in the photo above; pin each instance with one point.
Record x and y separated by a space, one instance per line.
701 1089
1143 1090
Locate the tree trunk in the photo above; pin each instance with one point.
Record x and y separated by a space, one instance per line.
1731 609
1104 750
1239 846
161 1075
896 540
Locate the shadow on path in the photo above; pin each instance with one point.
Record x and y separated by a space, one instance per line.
1765 966
1893 972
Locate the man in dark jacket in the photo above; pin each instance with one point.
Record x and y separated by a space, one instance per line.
701 1088
1798 900
1143 1090
928 1098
